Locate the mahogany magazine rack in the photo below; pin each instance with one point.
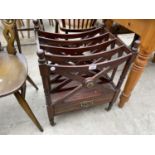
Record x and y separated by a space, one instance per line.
80 70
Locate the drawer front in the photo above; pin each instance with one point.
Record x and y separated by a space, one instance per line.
79 105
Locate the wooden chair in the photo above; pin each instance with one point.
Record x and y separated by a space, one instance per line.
13 71
20 51
78 70
51 22
20 24
21 27
74 25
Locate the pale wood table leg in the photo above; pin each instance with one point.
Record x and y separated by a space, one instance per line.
134 75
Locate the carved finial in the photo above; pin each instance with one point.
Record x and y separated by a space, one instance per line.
41 55
9 34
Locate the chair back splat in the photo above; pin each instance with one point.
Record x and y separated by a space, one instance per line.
75 25
81 70
10 33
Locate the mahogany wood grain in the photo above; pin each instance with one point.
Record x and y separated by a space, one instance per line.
75 69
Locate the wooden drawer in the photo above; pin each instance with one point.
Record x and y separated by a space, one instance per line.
79 105
86 98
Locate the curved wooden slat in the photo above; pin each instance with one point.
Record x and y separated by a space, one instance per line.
78 42
103 54
77 30
83 68
71 36
67 50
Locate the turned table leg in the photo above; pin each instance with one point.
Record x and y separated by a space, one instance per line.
134 75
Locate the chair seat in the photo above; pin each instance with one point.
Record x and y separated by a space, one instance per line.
13 72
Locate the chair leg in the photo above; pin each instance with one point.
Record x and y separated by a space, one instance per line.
56 27
28 26
23 90
153 60
27 109
20 23
31 82
51 22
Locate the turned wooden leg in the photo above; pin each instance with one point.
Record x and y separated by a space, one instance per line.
20 23
134 75
153 60
31 82
50 111
27 109
28 26
113 101
23 90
